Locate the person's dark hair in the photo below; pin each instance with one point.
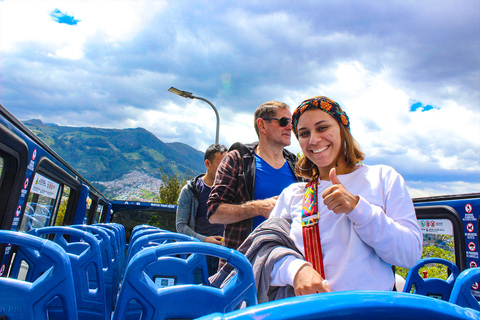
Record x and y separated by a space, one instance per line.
212 151
267 110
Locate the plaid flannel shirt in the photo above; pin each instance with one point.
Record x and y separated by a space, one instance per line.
235 183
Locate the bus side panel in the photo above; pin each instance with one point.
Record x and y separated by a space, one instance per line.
468 209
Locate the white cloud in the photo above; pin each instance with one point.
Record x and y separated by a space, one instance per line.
382 122
29 20
426 189
113 68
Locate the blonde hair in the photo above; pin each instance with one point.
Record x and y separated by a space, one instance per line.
267 110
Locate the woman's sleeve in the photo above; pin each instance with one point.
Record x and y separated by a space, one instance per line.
392 232
284 270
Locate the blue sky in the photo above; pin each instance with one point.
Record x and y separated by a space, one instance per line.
406 72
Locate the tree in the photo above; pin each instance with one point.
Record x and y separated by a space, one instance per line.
168 194
442 248
171 186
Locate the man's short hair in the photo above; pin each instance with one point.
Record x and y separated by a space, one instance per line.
213 149
267 110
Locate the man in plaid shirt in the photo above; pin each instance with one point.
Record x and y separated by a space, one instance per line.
250 177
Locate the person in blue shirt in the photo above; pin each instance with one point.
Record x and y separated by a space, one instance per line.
192 205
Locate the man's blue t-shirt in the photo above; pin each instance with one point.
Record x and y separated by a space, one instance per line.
270 182
202 225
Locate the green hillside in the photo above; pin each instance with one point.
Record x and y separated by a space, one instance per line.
107 154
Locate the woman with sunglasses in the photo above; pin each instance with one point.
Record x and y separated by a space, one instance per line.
351 221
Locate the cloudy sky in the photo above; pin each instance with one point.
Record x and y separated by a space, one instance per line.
406 72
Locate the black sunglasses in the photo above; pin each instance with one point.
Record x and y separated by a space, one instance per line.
283 121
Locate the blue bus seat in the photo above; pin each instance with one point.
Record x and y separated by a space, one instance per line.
196 272
164 296
86 260
29 300
141 227
120 230
432 287
117 262
121 246
28 264
137 228
348 305
111 287
148 239
142 232
462 290
194 266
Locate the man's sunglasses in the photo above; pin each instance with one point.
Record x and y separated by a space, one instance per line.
283 121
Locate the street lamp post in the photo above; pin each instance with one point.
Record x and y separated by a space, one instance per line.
190 95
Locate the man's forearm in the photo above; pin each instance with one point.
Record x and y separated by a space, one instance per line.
227 213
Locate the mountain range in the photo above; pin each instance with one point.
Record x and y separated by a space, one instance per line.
108 154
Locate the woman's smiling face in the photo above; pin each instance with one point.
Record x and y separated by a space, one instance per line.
320 139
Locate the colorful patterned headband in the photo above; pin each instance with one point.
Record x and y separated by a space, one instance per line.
324 104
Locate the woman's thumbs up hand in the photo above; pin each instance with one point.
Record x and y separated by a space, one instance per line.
337 198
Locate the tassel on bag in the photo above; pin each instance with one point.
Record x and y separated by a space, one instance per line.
310 230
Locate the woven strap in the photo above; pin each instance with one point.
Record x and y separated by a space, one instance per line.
310 230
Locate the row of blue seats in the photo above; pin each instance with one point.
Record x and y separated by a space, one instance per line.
456 291
166 276
163 275
75 276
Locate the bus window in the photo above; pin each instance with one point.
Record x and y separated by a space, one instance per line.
98 214
438 242
88 205
442 238
131 218
40 204
63 206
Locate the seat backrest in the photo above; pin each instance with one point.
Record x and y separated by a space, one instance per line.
189 269
117 260
432 287
85 256
29 300
462 290
148 239
120 244
107 261
162 296
141 227
348 305
142 232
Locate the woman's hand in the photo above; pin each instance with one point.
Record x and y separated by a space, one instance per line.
337 198
308 281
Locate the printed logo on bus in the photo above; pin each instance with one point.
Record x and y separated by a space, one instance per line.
2 269
25 185
473 264
475 286
34 154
